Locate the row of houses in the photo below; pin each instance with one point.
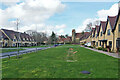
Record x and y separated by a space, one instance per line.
77 37
10 38
64 40
106 35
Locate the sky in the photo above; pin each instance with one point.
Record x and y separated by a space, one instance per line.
53 15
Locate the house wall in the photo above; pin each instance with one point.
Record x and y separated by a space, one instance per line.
96 39
92 39
116 34
109 37
73 36
77 40
89 39
101 37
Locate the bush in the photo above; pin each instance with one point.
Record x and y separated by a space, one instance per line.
82 43
100 48
104 49
90 47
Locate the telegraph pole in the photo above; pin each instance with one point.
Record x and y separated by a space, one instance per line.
18 35
36 38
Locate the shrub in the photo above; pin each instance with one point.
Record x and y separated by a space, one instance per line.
82 43
90 47
104 49
100 48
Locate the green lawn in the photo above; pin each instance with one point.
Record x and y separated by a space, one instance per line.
9 50
51 63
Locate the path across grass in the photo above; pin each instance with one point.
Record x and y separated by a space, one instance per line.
51 63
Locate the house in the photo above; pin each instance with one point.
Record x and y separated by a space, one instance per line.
93 37
102 40
64 40
105 35
76 36
109 32
85 37
3 39
116 33
79 37
96 35
13 38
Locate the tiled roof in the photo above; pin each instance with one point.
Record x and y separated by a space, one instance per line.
11 34
85 35
112 20
117 17
78 35
97 28
103 24
65 39
93 31
2 35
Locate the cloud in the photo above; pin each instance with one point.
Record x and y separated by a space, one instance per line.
113 11
45 28
60 26
31 13
102 16
84 24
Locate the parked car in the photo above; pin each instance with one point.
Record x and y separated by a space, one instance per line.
88 44
85 44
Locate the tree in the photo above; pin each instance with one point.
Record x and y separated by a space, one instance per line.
62 36
89 27
66 35
82 32
97 22
53 37
40 37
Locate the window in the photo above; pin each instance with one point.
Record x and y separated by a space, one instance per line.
96 43
14 40
110 44
108 32
100 43
119 28
101 33
117 43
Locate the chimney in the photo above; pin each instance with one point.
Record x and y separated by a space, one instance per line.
118 5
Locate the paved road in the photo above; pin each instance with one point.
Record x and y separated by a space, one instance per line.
28 50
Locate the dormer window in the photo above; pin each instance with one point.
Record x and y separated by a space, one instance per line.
108 32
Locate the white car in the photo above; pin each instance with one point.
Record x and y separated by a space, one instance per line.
89 44
85 44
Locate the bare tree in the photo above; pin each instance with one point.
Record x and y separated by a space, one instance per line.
88 27
41 37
